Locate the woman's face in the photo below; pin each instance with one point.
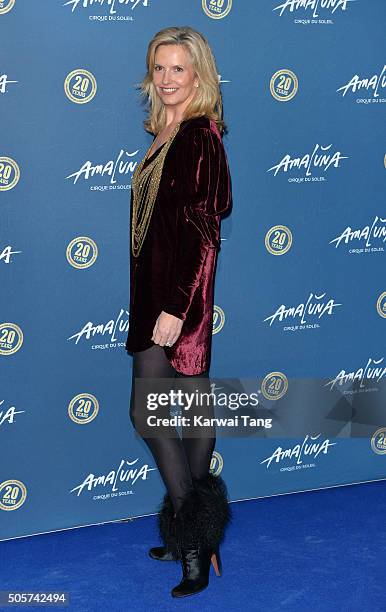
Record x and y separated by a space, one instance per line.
173 76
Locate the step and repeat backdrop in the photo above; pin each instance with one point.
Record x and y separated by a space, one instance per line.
300 294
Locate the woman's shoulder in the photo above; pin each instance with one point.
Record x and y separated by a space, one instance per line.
200 123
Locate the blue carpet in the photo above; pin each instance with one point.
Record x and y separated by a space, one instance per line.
319 550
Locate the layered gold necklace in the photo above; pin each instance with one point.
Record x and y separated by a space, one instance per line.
145 184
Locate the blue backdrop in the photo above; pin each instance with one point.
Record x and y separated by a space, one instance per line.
300 295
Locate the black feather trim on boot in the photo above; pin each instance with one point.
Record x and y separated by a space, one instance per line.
167 526
204 514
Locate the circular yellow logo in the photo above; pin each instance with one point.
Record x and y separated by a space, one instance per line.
13 494
80 86
11 338
83 408
381 305
274 385
283 85
9 173
6 5
216 9
278 240
218 319
82 252
216 463
378 441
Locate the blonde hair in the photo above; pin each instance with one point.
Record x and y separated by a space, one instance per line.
207 100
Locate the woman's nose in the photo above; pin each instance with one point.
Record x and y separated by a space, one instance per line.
165 78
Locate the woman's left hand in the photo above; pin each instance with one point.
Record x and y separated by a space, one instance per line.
166 329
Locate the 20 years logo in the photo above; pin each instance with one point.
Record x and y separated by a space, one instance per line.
11 338
6 5
13 494
381 305
80 86
274 385
9 173
82 252
216 463
278 240
284 85
217 9
378 441
218 319
83 408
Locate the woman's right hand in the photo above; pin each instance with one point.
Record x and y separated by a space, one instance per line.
167 329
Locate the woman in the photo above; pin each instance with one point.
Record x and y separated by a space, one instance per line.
178 192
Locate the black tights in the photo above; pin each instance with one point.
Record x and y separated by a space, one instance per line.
179 459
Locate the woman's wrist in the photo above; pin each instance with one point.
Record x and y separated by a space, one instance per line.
174 312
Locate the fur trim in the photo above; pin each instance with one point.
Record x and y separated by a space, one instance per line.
204 515
167 526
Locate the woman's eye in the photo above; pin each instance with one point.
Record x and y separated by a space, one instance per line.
177 68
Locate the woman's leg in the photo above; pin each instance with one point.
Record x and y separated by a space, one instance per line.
164 442
198 440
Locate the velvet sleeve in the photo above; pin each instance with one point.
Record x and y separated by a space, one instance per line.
204 188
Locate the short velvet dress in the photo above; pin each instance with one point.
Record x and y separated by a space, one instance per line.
175 269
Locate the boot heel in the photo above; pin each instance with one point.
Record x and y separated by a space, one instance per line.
216 562
200 525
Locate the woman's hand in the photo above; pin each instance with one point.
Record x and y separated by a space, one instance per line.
167 329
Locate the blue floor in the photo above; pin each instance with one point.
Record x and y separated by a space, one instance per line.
321 551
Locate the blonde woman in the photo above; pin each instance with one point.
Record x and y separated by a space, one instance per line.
178 192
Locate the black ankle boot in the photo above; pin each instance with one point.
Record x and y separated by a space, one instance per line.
167 530
200 527
161 553
195 570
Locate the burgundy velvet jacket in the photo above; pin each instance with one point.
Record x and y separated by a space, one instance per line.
175 269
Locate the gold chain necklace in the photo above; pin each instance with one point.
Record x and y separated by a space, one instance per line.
145 184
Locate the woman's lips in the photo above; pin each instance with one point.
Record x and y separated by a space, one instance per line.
168 90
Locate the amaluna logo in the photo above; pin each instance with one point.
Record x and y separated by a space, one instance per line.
305 309
4 82
307 447
312 5
8 415
366 234
127 471
110 3
321 158
5 254
90 330
369 372
123 164
374 83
